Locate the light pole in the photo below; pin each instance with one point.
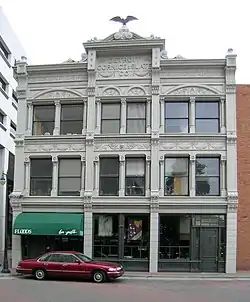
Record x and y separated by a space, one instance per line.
5 269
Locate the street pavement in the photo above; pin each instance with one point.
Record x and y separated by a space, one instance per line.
25 289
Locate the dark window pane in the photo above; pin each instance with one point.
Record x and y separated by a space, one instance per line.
44 258
135 167
1 118
44 113
73 127
136 110
110 126
176 110
207 125
176 185
207 110
208 166
55 258
109 167
176 126
40 186
42 127
109 186
72 112
176 166
41 167
68 258
70 167
206 185
111 111
136 126
135 186
69 186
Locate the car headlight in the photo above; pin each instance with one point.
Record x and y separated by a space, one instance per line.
111 269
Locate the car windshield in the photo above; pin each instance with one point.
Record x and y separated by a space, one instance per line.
83 257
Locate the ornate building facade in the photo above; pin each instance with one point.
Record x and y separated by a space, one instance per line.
129 156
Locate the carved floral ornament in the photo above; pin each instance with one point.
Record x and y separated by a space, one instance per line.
192 90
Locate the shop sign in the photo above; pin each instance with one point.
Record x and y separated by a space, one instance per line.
23 231
68 232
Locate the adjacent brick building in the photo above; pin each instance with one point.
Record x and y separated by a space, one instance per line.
243 142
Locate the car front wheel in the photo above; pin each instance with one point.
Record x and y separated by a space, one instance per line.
40 274
99 277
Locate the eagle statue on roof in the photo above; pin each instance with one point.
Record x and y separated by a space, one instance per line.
122 20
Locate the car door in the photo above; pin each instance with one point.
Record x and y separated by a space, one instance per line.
71 266
54 264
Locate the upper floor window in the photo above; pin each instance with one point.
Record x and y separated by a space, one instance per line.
3 84
43 119
207 117
176 176
176 117
69 177
14 96
109 176
135 176
136 117
208 176
111 113
1 118
3 49
71 119
41 177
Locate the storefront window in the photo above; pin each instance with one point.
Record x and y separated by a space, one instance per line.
174 237
106 241
136 237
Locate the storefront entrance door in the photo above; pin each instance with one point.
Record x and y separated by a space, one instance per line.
209 249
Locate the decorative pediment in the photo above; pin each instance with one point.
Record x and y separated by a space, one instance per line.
58 94
192 90
112 91
136 91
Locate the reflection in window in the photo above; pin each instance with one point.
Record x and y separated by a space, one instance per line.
176 117
208 176
174 237
176 176
207 119
40 177
71 119
69 177
136 117
106 236
43 119
135 176
136 242
109 176
110 122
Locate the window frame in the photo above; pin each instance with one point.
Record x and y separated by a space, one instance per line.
176 118
136 119
103 176
218 119
43 120
110 119
50 178
68 177
2 116
4 49
127 159
71 120
218 177
187 158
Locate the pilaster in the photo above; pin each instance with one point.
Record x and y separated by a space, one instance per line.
88 224
222 115
148 176
27 176
192 175
54 176
148 116
96 176
223 176
154 233
162 114
192 115
122 176
162 177
84 122
82 175
57 117
30 118
98 116
123 116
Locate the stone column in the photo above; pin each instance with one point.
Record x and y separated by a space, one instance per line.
57 118
154 236
30 118
82 175
192 115
98 116
54 191
84 122
88 226
192 176
162 115
16 239
122 176
162 177
96 176
148 175
123 116
223 176
148 116
222 115
26 191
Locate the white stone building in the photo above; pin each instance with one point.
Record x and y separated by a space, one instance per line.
10 49
128 155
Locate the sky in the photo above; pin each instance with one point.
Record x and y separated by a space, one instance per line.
51 31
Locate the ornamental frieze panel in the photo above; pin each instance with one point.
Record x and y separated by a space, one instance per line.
58 78
58 94
199 145
38 148
192 90
121 146
197 73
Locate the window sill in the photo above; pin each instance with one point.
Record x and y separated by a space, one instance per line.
4 93
5 59
3 127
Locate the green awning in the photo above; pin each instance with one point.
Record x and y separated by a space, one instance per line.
50 224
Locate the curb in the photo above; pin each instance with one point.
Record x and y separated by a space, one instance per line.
186 278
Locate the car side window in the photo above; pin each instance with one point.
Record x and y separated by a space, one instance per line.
44 258
55 258
69 258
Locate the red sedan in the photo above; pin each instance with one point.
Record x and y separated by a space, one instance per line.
70 264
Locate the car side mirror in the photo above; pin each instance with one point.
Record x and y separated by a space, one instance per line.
78 261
